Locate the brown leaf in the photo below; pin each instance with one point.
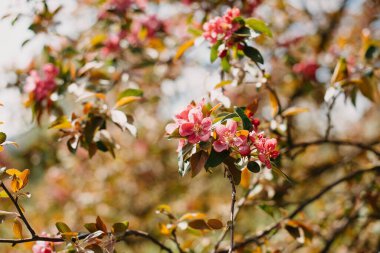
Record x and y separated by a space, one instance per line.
17 229
198 224
100 225
274 104
215 224
294 111
197 162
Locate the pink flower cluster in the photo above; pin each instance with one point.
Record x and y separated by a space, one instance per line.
221 28
41 88
194 126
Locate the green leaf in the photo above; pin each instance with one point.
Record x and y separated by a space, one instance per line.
3 137
269 210
130 93
62 227
91 227
216 158
214 52
258 26
119 228
253 54
371 52
225 64
253 167
247 124
279 172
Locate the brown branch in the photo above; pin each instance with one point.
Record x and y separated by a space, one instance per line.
328 115
233 200
22 216
335 142
238 207
175 240
148 237
256 238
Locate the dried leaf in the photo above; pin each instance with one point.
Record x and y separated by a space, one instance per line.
294 111
183 48
17 229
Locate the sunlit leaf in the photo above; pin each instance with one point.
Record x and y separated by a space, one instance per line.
61 123
340 71
274 104
3 137
222 84
258 26
192 216
126 100
130 93
183 48
17 229
245 178
62 227
292 111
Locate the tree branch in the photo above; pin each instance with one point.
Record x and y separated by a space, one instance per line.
256 238
334 142
233 200
148 237
22 216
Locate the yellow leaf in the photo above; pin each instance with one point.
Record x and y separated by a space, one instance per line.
98 39
274 104
245 178
182 49
24 176
192 216
1 148
294 111
100 96
340 71
242 133
126 100
13 172
61 123
222 83
216 107
165 229
17 229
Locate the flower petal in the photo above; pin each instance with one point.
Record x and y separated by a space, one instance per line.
220 146
186 129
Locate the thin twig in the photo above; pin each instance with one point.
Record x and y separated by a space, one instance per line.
175 240
148 237
238 207
22 216
256 238
329 110
334 142
233 200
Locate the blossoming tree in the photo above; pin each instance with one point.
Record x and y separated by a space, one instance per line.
287 134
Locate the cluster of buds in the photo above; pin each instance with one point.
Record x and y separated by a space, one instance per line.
40 88
196 125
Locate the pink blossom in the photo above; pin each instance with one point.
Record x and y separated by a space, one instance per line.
221 28
227 138
42 87
111 45
267 150
197 128
306 68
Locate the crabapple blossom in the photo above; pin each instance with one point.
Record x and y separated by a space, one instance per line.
43 247
267 150
228 138
221 28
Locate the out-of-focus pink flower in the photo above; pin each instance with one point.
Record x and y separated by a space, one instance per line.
144 28
267 150
227 138
42 87
43 247
306 68
111 45
221 28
